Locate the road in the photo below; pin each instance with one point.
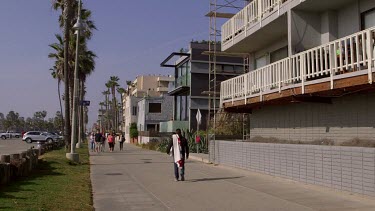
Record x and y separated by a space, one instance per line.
138 179
10 146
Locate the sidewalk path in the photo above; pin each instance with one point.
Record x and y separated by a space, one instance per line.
138 179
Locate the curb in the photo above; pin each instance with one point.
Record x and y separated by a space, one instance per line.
203 160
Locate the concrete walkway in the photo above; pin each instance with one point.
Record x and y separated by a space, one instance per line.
138 179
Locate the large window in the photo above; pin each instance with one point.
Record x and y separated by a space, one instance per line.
154 107
368 19
134 111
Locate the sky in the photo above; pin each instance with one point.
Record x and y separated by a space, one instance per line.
133 38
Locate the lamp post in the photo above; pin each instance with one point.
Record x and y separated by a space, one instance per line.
73 155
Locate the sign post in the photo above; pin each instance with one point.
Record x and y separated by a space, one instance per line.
197 138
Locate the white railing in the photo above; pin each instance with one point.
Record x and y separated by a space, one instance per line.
349 54
252 13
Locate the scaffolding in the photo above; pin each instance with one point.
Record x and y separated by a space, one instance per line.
220 10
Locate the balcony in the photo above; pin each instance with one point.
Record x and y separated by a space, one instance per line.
165 79
332 69
171 126
252 18
162 89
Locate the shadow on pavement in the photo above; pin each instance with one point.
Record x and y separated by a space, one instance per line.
114 163
44 169
213 179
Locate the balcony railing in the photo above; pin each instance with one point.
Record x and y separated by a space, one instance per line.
354 53
251 14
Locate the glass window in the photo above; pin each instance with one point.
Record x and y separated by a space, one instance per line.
368 19
134 111
154 107
261 62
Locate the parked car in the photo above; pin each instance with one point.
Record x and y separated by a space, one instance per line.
4 135
9 134
56 137
33 136
14 134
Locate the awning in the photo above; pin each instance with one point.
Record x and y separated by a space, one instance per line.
180 91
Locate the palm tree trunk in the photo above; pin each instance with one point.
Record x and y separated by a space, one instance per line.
67 16
61 110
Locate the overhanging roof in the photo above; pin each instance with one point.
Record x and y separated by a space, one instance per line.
164 63
181 90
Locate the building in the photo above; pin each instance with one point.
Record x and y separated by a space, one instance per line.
312 69
142 88
190 89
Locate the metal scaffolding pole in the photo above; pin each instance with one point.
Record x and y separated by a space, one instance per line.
218 9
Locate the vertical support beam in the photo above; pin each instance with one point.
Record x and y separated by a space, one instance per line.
302 70
369 48
290 33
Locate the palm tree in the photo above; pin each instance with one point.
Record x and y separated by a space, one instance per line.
106 94
65 60
113 84
67 31
121 91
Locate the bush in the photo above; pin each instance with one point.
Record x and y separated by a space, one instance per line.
133 132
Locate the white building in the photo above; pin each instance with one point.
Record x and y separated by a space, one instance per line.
311 68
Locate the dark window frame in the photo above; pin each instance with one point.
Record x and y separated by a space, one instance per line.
153 109
363 17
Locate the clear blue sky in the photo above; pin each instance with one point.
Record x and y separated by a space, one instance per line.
133 38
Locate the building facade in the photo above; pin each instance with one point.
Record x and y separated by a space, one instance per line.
191 71
312 69
143 87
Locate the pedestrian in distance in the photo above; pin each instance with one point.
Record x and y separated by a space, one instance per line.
179 149
102 143
98 140
122 140
111 141
92 142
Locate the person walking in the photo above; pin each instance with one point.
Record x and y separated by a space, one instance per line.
179 149
102 143
122 140
98 140
111 141
92 142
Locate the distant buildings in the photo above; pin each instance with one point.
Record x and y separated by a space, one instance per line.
145 96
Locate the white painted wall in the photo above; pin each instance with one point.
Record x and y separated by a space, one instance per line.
305 30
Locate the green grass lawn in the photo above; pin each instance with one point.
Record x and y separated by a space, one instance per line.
55 185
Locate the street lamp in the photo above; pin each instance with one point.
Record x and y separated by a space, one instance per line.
73 156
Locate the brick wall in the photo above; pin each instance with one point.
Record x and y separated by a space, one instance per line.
343 168
346 118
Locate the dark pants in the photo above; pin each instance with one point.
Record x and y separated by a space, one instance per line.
121 145
176 170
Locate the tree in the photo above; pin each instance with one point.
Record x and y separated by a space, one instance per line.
113 84
133 131
121 91
65 59
67 31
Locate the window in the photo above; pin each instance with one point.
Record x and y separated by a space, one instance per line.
279 54
368 19
261 62
134 111
154 107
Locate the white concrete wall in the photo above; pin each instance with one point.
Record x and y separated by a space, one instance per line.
305 30
345 119
342 168
349 20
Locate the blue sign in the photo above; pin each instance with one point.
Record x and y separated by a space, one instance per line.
85 103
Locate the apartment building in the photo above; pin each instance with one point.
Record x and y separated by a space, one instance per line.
312 68
142 89
191 69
